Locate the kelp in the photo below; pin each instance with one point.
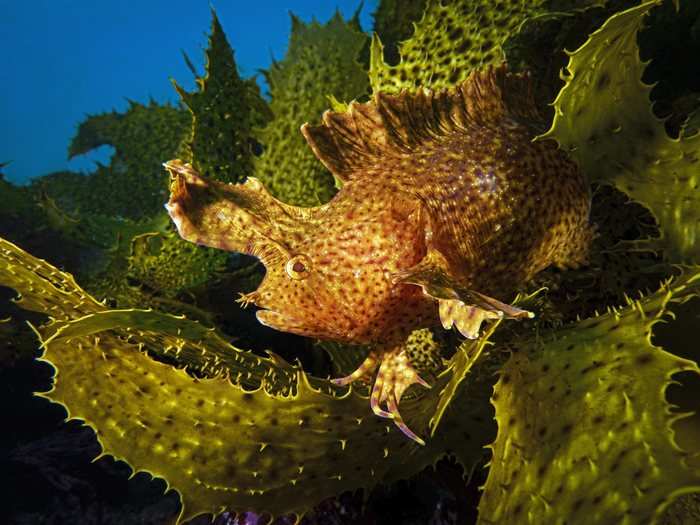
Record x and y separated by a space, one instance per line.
225 111
141 136
322 62
626 145
609 454
453 38
223 439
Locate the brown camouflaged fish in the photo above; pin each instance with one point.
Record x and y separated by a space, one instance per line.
446 206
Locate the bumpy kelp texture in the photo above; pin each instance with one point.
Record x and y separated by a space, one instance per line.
584 430
618 140
241 440
321 62
225 110
394 22
163 262
454 38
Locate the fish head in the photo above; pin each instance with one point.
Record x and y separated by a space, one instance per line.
298 294
328 269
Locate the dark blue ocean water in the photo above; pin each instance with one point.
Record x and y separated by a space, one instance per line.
63 59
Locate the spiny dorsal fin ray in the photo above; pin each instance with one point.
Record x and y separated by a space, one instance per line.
349 141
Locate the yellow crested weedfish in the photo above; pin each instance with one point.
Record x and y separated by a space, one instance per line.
446 206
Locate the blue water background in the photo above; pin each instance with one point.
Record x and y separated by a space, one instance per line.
61 60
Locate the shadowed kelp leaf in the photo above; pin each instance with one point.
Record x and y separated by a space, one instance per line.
457 370
164 262
240 439
460 367
225 109
134 184
454 38
617 140
321 62
584 431
394 22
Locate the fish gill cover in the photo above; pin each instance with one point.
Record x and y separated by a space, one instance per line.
567 414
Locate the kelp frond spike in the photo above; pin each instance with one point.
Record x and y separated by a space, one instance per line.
470 33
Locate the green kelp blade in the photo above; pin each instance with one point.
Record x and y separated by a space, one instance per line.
73 312
457 371
42 287
461 366
222 447
454 38
225 109
584 430
133 184
165 262
321 62
219 443
603 116
394 22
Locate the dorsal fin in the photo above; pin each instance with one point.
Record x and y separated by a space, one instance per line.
348 141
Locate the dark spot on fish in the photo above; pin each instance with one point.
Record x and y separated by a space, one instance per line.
644 359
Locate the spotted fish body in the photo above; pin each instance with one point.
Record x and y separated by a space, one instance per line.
446 206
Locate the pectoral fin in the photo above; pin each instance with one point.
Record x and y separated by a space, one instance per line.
462 308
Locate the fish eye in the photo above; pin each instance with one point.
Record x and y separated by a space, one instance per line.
298 267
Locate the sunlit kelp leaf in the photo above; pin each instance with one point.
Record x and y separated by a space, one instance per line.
617 140
240 439
183 341
224 110
321 61
47 290
42 287
584 430
223 447
454 38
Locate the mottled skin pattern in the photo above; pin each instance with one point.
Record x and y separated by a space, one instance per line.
446 206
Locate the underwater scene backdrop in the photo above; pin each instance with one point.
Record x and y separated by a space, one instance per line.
276 344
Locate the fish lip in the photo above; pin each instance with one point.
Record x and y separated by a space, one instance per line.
278 321
285 323
260 314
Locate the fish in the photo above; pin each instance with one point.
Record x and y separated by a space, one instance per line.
446 205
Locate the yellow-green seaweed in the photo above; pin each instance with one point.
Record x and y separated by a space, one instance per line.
618 140
225 110
584 431
227 440
454 38
321 62
583 428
